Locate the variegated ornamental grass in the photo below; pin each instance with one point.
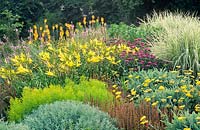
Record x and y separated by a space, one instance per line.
179 40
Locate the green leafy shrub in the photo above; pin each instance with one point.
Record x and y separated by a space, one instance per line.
175 99
130 33
163 89
92 90
12 126
69 115
175 43
184 121
155 78
10 25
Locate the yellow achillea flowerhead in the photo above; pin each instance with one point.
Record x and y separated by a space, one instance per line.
178 67
181 107
197 82
118 97
130 76
187 129
147 99
188 94
133 92
146 82
113 90
118 93
143 120
169 97
164 100
161 88
114 86
197 108
181 118
155 103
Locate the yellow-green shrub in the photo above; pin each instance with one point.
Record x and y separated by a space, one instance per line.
92 90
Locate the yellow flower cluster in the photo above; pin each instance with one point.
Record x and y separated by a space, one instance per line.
197 108
20 65
116 92
164 90
65 57
146 82
143 120
6 73
44 34
17 60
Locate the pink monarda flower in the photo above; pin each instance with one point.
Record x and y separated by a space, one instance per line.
138 39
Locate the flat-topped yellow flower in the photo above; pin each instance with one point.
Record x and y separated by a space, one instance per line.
181 107
118 97
147 99
133 92
188 94
197 108
163 100
161 88
198 82
143 120
118 93
181 118
155 103
114 86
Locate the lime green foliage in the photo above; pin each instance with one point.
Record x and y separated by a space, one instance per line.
12 126
163 89
185 120
92 90
69 116
179 41
130 33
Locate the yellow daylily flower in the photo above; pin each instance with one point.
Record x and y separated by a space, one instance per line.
50 73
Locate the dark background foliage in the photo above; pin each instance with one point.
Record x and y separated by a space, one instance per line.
115 11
